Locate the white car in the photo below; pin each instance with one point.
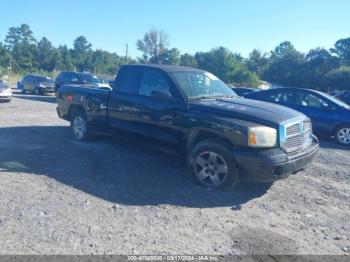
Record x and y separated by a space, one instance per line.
5 92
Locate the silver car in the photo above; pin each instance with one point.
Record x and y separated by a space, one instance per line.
37 84
5 92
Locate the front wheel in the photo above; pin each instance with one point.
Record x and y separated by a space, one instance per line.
78 125
212 165
342 135
37 91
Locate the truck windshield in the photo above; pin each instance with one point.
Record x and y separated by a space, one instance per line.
198 84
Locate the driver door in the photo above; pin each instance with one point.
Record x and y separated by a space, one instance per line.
135 107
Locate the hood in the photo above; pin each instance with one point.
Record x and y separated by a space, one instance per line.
47 84
245 109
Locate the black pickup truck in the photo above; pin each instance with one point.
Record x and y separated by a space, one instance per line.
226 139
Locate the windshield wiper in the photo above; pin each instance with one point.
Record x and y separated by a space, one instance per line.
202 97
212 97
228 96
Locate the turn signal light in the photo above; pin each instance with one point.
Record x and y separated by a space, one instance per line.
252 138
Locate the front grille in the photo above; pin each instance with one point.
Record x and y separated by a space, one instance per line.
298 135
293 129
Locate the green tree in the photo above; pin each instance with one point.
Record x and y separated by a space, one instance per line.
105 62
286 66
82 54
257 62
153 46
170 57
319 62
4 59
22 46
338 78
65 63
227 66
57 59
45 55
188 60
342 49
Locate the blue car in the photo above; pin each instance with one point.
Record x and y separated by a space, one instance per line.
330 117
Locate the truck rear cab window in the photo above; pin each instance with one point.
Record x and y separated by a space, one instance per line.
129 81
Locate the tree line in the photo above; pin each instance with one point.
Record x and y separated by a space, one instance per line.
284 66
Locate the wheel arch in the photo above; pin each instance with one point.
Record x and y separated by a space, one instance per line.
198 135
75 108
339 126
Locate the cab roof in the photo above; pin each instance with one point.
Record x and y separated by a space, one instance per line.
166 68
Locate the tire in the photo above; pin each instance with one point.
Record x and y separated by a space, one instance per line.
78 125
342 135
37 91
23 91
211 164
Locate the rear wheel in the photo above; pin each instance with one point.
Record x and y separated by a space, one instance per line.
342 135
212 165
78 125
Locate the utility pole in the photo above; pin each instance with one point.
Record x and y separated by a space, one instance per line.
10 69
126 52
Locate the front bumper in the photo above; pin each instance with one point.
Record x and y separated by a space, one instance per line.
272 164
5 96
47 90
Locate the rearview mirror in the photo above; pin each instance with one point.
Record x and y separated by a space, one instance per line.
162 95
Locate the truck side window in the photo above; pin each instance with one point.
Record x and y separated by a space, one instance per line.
129 80
152 80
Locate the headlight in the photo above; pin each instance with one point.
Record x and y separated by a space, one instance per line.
262 136
41 85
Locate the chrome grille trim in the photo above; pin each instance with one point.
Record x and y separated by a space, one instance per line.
295 134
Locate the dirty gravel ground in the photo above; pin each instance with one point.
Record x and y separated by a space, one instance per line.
110 196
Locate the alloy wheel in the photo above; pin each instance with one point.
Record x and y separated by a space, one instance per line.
210 168
79 127
343 135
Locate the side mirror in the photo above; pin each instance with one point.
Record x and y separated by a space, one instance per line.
162 95
111 83
75 80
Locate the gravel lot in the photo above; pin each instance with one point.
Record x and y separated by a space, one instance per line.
109 196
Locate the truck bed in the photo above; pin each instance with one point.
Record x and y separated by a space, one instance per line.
92 99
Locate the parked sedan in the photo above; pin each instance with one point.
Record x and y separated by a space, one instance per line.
330 117
37 84
5 92
343 96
